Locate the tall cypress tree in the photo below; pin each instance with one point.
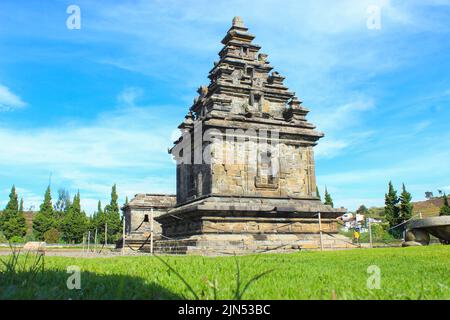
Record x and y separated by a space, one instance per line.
21 221
406 207
21 205
391 210
113 216
13 220
318 193
328 199
11 207
44 219
445 209
75 222
98 219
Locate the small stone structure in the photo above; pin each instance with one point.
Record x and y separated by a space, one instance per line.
35 246
418 231
138 213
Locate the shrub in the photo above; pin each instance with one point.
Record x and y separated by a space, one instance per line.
52 236
3 238
17 239
30 237
380 233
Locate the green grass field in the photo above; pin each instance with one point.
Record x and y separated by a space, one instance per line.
406 273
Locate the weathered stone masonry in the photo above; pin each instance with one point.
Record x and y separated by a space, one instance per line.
255 190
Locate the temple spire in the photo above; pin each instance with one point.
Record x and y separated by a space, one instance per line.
238 22
238 32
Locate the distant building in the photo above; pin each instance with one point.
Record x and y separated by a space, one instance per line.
137 214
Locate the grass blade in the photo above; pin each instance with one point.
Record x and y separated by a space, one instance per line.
179 276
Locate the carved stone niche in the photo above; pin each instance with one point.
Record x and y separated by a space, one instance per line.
271 183
266 177
262 57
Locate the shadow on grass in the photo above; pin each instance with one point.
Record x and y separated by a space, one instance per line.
51 284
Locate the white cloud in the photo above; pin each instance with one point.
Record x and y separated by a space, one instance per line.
343 126
329 148
127 146
131 137
320 41
340 118
8 100
129 96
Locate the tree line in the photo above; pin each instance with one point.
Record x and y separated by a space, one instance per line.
399 209
64 221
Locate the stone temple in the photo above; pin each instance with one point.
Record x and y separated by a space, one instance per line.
245 165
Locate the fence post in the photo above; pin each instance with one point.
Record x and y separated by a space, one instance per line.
151 231
370 233
83 242
89 241
320 230
95 240
123 236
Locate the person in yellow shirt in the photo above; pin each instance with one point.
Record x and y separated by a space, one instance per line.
356 236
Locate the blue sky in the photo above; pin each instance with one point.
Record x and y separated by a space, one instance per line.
100 105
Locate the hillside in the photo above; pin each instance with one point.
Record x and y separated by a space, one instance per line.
429 208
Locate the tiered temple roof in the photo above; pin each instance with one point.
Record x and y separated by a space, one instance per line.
243 86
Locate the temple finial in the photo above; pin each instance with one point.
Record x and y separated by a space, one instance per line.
238 22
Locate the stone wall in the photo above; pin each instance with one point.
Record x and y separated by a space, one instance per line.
289 174
237 169
139 210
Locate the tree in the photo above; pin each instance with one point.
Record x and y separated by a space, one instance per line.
318 193
13 222
98 219
75 223
44 219
391 210
63 203
362 210
11 207
328 199
406 207
22 222
52 236
61 208
429 195
445 209
21 205
112 215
